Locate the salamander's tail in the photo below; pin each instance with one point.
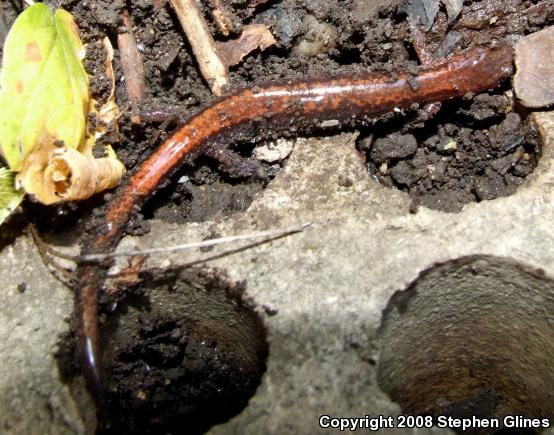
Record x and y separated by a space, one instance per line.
88 338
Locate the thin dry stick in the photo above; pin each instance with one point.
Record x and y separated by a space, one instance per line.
131 61
130 274
224 18
204 244
269 234
203 45
181 266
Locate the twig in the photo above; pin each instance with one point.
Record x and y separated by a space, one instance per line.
203 45
131 61
131 274
224 18
181 266
203 244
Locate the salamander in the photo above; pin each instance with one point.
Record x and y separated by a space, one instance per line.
271 107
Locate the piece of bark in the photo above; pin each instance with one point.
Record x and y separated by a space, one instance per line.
203 45
534 79
131 61
252 37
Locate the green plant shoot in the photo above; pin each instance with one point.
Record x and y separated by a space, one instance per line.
9 197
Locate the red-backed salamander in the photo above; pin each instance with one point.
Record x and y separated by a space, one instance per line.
270 107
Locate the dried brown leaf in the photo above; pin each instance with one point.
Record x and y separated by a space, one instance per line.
252 37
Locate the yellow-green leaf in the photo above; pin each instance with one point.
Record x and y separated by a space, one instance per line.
44 106
9 197
44 95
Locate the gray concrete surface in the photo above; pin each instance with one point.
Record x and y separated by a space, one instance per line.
329 286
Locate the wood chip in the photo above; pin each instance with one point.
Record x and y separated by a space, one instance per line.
534 79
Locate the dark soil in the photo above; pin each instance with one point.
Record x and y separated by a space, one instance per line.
481 161
183 354
193 352
474 152
485 156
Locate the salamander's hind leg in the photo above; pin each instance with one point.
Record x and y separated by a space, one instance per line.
234 165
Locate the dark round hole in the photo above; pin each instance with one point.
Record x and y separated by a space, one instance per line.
472 338
183 354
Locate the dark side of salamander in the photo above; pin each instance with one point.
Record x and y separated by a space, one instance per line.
267 107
